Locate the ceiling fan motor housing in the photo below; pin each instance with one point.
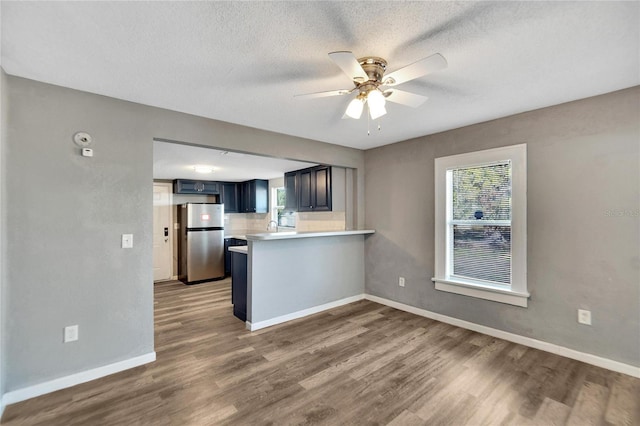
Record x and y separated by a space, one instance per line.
374 67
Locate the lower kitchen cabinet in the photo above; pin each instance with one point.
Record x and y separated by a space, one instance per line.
230 242
239 284
227 257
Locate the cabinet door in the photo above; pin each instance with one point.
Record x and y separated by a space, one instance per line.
248 197
185 186
305 194
230 197
227 256
291 194
261 196
239 285
255 196
321 188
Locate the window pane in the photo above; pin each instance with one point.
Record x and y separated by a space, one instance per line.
482 193
482 252
286 219
280 196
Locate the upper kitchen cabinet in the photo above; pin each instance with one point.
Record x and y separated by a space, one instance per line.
291 191
204 187
229 197
254 196
312 189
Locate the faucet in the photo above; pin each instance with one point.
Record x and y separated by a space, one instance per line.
269 225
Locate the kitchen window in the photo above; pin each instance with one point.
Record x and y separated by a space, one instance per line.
480 219
278 214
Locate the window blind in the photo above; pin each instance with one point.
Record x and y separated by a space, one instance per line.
480 223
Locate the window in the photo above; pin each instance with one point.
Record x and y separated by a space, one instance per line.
481 224
278 214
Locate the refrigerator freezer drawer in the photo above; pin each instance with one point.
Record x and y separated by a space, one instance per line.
205 255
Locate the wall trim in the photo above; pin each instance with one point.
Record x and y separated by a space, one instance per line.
598 361
303 313
75 379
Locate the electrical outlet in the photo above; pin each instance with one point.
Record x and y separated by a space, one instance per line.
584 317
70 333
401 281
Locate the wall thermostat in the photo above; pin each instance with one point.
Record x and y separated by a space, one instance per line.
82 139
87 152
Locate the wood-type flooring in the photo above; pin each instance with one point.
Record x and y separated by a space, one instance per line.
360 364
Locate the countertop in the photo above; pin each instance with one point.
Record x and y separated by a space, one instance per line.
239 249
265 236
241 234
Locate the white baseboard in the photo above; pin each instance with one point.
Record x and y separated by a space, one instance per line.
302 313
515 338
74 379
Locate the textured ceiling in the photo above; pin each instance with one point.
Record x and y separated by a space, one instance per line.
173 161
243 62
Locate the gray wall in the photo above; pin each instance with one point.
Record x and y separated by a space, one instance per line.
338 191
4 121
583 162
64 264
65 215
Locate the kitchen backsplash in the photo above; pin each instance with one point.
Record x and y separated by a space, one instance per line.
320 221
245 221
312 221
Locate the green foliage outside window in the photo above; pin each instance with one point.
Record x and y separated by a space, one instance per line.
485 189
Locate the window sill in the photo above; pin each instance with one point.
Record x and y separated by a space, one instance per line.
482 292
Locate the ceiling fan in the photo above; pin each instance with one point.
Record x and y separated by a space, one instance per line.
374 88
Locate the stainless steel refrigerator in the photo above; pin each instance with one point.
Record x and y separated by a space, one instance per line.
201 251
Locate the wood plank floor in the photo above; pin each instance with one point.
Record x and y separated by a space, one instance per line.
362 363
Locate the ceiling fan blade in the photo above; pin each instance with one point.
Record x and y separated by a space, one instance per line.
404 98
324 94
417 69
350 65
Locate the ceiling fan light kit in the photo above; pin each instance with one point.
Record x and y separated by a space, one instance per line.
354 110
376 102
367 74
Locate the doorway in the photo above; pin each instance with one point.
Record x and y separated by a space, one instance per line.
162 232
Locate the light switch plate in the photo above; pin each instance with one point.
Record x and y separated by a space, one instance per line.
70 333
127 240
584 316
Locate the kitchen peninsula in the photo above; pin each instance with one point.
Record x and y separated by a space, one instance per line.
294 274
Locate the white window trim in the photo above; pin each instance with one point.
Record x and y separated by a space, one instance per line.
517 293
274 206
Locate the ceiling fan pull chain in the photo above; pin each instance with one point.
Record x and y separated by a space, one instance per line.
368 121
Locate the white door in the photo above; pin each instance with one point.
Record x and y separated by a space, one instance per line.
162 230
